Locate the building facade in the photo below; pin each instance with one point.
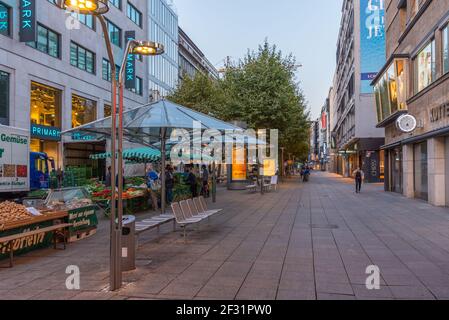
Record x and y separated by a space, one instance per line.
412 91
192 59
360 55
60 79
163 28
324 137
314 145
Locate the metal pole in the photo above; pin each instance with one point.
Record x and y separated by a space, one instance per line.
163 155
115 276
282 163
214 182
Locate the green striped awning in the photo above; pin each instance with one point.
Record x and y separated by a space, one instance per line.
140 155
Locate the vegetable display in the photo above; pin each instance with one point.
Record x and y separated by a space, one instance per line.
12 212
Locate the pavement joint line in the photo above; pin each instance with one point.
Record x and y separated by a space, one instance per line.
386 245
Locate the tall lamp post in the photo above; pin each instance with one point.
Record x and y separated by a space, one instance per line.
98 8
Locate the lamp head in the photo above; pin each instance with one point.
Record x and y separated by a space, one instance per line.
147 48
89 7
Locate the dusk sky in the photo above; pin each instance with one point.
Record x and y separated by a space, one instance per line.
308 29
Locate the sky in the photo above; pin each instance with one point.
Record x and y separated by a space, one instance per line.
306 28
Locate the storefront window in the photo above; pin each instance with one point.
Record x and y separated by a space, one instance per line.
107 110
446 49
425 67
83 111
45 105
4 98
384 97
390 90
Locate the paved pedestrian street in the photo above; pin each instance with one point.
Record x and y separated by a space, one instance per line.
305 241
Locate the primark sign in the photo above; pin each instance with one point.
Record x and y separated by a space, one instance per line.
27 28
130 70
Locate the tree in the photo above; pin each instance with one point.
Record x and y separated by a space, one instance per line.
260 90
200 93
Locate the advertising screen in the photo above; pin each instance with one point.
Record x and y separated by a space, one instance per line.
372 41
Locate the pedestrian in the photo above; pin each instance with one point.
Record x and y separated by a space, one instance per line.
306 174
359 177
169 184
108 180
153 183
205 180
191 181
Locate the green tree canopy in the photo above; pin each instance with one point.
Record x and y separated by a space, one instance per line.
260 90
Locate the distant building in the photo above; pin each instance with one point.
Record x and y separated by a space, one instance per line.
360 55
192 59
163 28
314 149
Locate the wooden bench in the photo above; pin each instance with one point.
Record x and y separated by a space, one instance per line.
8 241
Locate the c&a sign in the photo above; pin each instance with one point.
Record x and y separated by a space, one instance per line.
27 28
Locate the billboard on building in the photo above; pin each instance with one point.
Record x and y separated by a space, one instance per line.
372 41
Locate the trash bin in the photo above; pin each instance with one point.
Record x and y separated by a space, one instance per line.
129 243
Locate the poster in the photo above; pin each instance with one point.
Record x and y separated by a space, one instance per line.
269 167
372 41
238 168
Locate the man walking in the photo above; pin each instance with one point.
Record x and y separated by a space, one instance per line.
359 176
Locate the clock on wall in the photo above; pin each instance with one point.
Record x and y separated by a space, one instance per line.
407 123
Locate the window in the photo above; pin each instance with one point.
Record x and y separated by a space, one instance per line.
82 58
106 70
83 111
139 83
45 105
5 20
86 19
4 98
115 33
116 3
107 110
47 41
446 49
424 64
134 14
390 90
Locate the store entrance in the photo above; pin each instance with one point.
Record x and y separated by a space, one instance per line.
79 167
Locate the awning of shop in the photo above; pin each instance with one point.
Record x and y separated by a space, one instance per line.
139 155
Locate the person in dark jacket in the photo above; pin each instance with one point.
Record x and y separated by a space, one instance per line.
205 181
191 181
359 176
108 181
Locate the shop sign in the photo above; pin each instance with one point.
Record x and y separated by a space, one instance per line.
27 29
4 19
82 219
439 113
46 133
82 137
130 70
27 244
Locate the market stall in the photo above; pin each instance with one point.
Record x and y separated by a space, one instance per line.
17 219
81 211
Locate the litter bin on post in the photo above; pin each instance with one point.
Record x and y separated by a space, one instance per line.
129 243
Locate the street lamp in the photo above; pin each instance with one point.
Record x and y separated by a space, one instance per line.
98 8
93 7
144 48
